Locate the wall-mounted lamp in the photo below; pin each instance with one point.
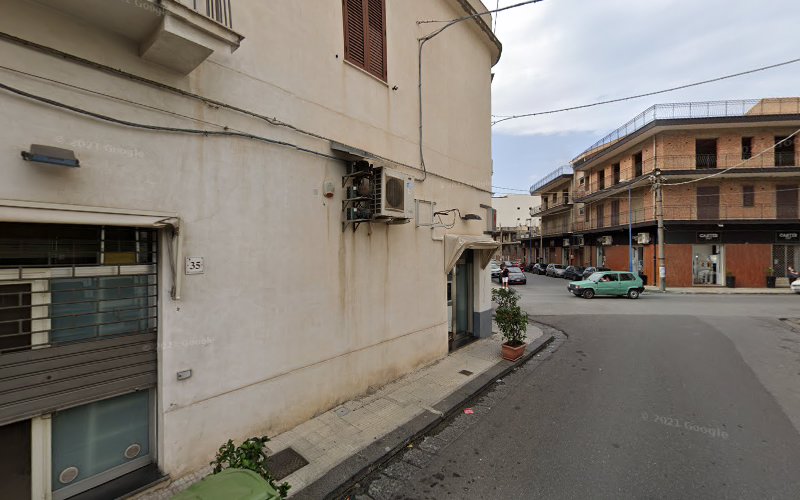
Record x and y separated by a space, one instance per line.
51 155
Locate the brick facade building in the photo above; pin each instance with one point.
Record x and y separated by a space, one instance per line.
730 197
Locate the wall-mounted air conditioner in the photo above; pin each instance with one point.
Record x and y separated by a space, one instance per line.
393 194
566 242
643 238
579 240
605 240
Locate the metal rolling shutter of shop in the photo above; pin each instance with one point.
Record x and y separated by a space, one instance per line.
39 381
120 354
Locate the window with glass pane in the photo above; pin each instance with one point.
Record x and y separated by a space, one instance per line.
84 308
94 438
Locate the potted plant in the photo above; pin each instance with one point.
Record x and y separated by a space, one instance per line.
770 277
512 322
730 280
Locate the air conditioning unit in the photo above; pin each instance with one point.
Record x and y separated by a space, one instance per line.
605 240
579 240
393 194
566 242
643 238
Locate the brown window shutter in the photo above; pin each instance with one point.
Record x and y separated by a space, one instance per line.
376 38
354 39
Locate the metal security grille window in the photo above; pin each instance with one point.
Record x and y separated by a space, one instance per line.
61 284
365 35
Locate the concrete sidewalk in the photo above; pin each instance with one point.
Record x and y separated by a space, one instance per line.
721 290
347 440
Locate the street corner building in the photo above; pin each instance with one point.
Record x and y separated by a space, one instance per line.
730 175
219 219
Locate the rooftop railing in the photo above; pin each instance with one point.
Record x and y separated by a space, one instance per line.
706 109
562 170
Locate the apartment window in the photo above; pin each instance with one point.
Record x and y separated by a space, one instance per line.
599 216
747 148
748 196
365 35
616 173
565 196
784 152
601 179
705 153
637 164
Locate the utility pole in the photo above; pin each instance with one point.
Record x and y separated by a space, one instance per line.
630 234
662 270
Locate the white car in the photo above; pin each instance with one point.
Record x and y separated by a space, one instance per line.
796 286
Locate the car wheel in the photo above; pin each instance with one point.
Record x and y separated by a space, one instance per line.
588 294
633 293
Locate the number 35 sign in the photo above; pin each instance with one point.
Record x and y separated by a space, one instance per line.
194 265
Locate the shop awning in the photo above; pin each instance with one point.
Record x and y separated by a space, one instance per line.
455 244
52 213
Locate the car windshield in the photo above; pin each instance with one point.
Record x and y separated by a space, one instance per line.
514 270
559 266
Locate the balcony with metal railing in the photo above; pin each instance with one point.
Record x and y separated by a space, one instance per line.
177 34
767 163
564 171
675 212
696 110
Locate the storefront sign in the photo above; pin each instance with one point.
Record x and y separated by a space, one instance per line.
788 236
708 237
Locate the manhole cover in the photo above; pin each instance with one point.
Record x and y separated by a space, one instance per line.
285 462
341 411
465 372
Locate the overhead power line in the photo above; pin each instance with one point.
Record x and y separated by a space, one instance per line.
503 118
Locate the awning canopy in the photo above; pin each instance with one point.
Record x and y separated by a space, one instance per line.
52 213
455 244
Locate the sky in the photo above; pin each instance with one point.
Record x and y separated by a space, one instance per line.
561 53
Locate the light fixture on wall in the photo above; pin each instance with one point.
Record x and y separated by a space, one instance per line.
51 155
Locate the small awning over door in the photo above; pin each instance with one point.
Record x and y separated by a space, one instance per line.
455 244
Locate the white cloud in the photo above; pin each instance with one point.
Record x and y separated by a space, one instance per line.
561 53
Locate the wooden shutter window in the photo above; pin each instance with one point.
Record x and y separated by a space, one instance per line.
365 35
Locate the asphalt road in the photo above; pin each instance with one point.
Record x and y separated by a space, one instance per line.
668 396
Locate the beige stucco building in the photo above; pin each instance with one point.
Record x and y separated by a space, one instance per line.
198 273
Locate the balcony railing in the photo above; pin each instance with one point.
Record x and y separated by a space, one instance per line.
708 109
687 162
562 170
560 202
218 10
556 229
726 212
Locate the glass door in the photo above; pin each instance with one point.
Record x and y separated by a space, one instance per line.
462 302
708 265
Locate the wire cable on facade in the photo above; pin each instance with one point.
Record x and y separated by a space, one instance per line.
422 41
503 118
206 100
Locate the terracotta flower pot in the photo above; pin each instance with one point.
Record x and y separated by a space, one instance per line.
513 353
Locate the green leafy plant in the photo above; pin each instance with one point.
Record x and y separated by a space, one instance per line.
770 271
729 274
250 455
510 318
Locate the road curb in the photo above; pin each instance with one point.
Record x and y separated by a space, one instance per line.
336 482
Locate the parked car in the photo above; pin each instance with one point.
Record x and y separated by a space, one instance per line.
516 276
591 270
608 283
495 269
555 270
573 273
539 268
795 286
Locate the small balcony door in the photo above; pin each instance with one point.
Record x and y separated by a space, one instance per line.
786 201
708 202
706 153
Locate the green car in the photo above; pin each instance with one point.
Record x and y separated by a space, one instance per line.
608 283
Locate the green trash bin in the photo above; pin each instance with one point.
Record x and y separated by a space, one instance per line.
230 484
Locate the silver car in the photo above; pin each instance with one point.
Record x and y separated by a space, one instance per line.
556 270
